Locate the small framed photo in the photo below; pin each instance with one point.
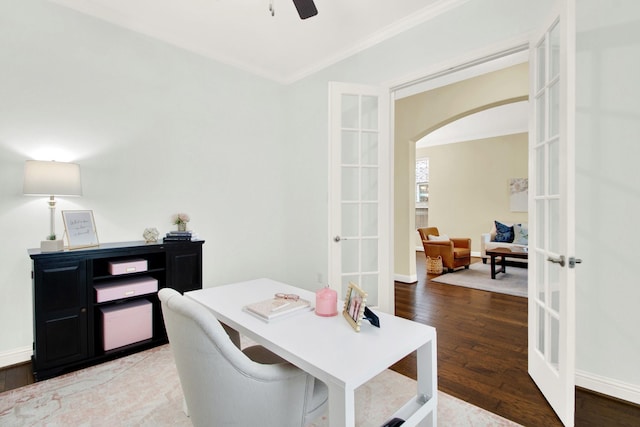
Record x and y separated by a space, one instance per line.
80 229
354 305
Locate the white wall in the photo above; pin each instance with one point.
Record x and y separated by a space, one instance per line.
156 130
608 196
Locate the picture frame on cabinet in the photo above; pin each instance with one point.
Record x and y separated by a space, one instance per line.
354 305
80 229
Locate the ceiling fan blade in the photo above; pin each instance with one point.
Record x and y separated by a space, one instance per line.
306 8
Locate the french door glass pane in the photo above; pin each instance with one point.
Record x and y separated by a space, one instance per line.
540 172
369 284
554 46
540 215
554 226
369 184
542 65
349 219
540 344
369 112
555 343
554 110
350 111
554 286
554 167
349 147
369 255
540 289
350 257
350 183
369 148
369 224
541 129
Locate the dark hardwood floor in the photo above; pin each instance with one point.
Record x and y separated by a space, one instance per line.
15 376
482 356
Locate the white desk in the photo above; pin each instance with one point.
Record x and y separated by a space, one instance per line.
329 349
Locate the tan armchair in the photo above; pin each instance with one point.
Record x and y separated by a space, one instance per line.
455 252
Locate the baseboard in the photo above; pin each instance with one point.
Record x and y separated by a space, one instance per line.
613 388
405 279
15 356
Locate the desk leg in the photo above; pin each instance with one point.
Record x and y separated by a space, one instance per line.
341 406
427 361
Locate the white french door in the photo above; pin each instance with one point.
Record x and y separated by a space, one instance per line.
359 192
551 214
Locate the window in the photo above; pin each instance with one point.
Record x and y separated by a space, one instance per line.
422 192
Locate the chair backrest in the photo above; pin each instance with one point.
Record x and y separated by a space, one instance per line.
428 231
221 385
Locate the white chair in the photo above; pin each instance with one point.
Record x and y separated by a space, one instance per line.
222 385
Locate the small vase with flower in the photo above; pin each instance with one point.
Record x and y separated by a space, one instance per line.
181 220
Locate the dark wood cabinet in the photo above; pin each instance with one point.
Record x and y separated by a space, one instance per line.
68 331
183 268
61 303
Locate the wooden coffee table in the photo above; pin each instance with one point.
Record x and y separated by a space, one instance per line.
504 253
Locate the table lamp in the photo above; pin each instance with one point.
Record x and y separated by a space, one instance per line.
49 178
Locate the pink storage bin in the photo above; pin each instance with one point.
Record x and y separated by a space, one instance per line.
125 288
126 323
127 266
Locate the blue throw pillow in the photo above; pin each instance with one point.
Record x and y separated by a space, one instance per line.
504 233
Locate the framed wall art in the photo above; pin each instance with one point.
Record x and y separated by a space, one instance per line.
519 194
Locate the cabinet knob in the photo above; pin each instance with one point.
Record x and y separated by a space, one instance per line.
83 310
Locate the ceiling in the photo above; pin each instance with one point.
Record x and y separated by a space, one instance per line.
242 33
285 48
506 119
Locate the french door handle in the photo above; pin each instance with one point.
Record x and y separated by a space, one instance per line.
560 260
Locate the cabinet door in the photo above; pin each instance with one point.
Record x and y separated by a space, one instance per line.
184 266
60 307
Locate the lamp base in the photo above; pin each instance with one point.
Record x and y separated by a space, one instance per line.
51 245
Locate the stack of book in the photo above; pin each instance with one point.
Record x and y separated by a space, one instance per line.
273 308
178 236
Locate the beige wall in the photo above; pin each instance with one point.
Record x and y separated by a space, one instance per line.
469 184
416 116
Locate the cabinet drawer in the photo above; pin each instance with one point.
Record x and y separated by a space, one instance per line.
125 288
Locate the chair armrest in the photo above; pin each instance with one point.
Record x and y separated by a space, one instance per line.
461 242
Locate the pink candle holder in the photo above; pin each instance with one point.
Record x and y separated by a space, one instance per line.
326 302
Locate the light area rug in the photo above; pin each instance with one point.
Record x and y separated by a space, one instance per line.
144 390
478 276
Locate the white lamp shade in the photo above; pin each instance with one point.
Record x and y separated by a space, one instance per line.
44 178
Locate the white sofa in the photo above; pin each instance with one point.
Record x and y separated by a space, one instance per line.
487 240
